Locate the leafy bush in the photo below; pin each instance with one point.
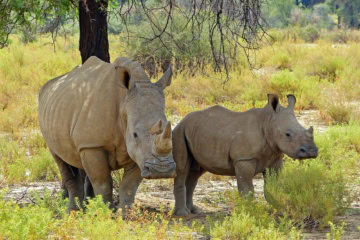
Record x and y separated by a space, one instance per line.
309 33
48 219
21 164
336 232
309 192
251 219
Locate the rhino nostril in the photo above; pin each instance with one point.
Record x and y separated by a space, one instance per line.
302 150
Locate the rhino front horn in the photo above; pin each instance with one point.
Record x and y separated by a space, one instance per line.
166 134
163 142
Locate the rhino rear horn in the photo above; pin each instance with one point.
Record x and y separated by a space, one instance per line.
156 128
165 80
291 101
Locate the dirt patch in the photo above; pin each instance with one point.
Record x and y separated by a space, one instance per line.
309 118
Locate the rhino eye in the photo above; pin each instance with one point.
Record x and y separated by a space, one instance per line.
288 134
135 135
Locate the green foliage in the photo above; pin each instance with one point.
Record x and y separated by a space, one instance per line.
278 12
182 49
48 219
19 166
309 33
347 11
336 232
29 222
251 219
23 14
308 192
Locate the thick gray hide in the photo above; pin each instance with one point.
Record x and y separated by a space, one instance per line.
235 143
102 117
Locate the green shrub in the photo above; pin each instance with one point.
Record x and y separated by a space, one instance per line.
309 34
42 167
28 222
309 193
336 232
48 219
251 219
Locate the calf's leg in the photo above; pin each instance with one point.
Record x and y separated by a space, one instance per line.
245 172
190 184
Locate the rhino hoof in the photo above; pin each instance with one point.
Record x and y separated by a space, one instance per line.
181 212
194 209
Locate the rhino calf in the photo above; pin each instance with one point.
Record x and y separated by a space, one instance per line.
236 143
102 117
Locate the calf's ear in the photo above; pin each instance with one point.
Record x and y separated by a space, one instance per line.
291 101
273 101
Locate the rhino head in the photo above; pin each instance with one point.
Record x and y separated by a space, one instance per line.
288 134
146 131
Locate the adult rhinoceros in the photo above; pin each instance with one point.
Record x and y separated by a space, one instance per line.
102 117
236 144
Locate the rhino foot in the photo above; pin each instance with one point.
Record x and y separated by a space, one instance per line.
181 212
194 209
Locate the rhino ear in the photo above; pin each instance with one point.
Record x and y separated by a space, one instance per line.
273 101
291 101
124 74
165 80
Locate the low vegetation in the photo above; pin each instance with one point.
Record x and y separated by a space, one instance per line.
322 75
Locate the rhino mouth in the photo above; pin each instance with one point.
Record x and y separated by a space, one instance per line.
159 168
307 152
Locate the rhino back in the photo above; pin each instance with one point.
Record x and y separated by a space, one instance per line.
218 136
80 110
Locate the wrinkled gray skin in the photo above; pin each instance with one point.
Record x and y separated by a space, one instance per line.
236 143
102 117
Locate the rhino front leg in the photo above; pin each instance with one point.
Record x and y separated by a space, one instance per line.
128 186
245 172
96 166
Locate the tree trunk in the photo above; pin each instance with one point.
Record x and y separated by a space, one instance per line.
93 29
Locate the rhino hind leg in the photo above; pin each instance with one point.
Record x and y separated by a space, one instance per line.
191 182
72 182
88 188
181 209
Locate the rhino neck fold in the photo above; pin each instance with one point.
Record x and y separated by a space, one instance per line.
267 127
